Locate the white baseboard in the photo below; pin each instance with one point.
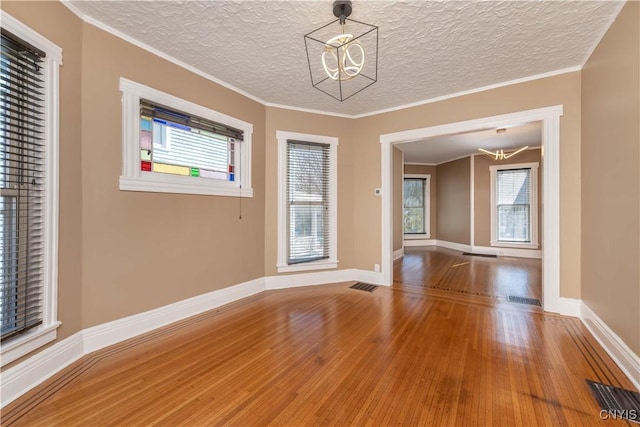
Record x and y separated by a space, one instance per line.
453 245
110 333
21 378
398 254
514 252
420 242
569 307
489 250
38 368
625 358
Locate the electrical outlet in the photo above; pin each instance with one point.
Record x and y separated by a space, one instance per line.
376 268
378 191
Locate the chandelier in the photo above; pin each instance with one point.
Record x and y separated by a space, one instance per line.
500 154
342 55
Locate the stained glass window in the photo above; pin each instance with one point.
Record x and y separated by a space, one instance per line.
172 142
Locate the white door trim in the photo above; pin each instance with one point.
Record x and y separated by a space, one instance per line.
550 118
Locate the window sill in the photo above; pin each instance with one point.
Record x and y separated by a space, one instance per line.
515 245
28 342
417 236
182 185
306 266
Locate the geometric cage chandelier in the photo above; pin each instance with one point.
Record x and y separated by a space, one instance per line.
342 55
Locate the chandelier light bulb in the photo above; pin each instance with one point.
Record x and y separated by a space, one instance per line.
343 57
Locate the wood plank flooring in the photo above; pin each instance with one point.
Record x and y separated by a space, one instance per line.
441 268
331 355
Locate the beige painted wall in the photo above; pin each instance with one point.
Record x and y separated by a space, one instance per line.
397 199
453 193
295 121
146 250
611 178
59 25
433 202
558 90
482 193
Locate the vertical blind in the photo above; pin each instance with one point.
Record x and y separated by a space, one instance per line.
307 201
21 185
514 205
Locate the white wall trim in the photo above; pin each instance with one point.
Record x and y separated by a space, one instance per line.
420 242
398 253
47 331
550 118
569 306
169 58
22 377
512 252
110 333
625 358
282 230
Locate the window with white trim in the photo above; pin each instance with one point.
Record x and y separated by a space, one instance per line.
29 67
307 208
174 146
514 201
416 197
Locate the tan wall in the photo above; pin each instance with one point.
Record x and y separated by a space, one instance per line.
611 178
397 199
482 193
63 28
453 192
295 121
147 250
558 90
433 202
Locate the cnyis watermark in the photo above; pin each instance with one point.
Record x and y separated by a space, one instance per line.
620 414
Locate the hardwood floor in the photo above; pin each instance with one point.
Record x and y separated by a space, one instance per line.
440 268
331 355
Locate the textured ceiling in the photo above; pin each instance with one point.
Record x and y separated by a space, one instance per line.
427 49
444 148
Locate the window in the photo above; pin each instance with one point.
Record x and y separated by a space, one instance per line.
307 208
514 219
174 146
28 189
415 195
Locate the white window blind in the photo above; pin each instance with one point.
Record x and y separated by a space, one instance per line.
308 201
513 204
22 186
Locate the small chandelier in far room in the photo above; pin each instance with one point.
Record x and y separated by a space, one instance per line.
342 55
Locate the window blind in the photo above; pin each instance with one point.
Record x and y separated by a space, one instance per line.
21 185
514 205
307 201
184 120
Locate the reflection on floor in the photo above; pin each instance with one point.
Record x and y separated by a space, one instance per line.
445 269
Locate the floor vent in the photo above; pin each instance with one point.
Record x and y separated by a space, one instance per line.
361 286
522 300
484 255
618 402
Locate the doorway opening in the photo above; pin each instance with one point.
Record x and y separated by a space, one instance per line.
550 123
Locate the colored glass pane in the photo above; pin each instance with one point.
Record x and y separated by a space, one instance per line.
145 124
232 177
145 166
145 139
171 169
195 172
212 174
145 155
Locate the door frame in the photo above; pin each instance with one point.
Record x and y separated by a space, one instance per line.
550 119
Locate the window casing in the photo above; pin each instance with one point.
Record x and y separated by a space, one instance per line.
28 189
514 205
174 146
416 192
307 202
